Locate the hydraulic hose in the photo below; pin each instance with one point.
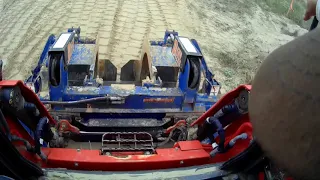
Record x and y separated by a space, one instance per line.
4 124
233 141
181 137
83 100
39 130
216 123
25 142
165 141
226 109
32 108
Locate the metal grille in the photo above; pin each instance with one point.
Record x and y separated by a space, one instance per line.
127 141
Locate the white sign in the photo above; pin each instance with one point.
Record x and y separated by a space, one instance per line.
188 45
62 40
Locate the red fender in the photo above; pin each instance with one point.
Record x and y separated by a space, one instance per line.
226 99
29 96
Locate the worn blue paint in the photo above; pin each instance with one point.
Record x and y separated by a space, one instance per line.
189 94
167 34
35 77
185 99
205 68
82 54
162 56
133 99
138 90
56 92
165 42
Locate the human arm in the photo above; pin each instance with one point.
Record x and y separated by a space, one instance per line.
313 8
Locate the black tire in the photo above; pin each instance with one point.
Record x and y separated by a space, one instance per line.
194 75
54 70
314 23
243 100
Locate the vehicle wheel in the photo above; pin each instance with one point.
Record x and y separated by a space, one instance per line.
194 75
54 71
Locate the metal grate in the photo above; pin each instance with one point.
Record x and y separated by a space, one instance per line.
127 141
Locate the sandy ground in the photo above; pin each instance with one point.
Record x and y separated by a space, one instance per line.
234 36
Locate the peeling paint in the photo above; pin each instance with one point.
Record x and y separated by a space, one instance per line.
123 89
84 89
110 122
127 87
158 89
122 157
145 156
162 56
83 54
158 100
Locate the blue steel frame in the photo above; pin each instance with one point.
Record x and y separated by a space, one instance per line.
35 78
182 98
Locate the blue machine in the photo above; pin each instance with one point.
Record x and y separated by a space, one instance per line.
167 79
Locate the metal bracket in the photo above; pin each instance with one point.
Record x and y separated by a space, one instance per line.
127 141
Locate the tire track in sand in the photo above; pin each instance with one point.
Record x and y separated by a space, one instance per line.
149 19
115 28
26 55
38 41
164 20
122 26
6 19
122 31
158 23
13 47
14 32
121 41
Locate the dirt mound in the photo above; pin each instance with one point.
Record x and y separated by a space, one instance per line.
235 35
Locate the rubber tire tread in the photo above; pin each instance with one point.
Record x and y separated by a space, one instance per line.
196 75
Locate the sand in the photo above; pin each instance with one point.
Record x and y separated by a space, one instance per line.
235 37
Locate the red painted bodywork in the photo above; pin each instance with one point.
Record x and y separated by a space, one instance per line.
226 99
65 126
179 123
29 96
182 154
